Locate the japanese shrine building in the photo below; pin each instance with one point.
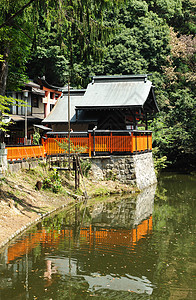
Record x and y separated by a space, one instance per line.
109 102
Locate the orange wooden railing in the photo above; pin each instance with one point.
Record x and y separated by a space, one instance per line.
24 152
52 147
99 143
135 141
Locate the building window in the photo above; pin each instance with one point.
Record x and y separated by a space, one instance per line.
35 101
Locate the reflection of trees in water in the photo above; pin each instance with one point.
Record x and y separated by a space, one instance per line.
174 225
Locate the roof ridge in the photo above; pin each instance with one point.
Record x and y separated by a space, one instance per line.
142 77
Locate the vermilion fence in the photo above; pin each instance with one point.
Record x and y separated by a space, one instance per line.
24 152
102 142
90 143
52 147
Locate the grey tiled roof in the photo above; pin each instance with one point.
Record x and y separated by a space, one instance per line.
59 113
132 91
116 91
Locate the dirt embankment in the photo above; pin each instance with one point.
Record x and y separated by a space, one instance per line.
22 204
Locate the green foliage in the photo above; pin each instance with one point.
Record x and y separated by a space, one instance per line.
160 162
140 45
167 8
73 149
49 61
36 137
48 35
14 42
85 166
175 127
5 103
53 181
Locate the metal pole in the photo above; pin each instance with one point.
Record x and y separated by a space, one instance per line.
94 139
25 95
25 141
69 129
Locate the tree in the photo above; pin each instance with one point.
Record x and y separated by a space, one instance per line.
20 23
5 104
23 19
140 44
14 46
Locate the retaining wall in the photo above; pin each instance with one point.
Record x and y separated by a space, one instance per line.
136 169
17 165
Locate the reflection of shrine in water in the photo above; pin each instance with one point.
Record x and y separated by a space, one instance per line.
119 223
94 236
111 228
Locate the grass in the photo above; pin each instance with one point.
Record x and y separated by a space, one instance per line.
100 191
21 187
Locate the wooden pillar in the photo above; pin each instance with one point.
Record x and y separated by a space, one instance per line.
89 144
147 143
150 141
93 142
146 121
136 142
111 142
76 169
132 142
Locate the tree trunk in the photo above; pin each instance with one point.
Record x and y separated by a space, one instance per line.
4 71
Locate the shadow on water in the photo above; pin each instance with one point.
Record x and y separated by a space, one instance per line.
113 248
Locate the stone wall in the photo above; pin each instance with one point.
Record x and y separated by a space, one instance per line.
135 169
17 165
144 170
3 159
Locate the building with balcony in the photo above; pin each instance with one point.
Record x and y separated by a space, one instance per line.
40 99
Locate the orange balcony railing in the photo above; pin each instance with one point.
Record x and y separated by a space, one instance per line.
24 152
91 143
52 144
101 142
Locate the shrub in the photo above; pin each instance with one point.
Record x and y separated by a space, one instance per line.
85 166
53 181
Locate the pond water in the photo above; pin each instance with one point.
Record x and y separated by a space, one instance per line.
125 247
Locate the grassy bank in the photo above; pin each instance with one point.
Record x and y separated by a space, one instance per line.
21 203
